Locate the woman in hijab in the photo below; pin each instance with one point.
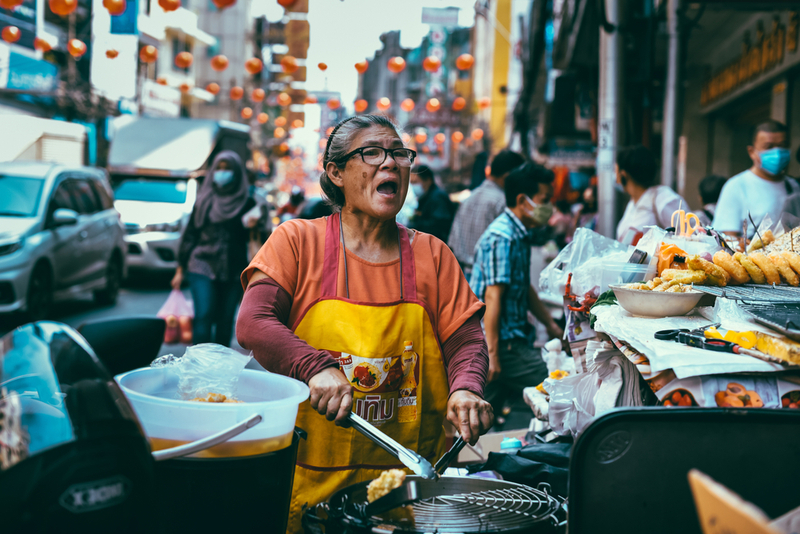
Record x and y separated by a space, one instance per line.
213 250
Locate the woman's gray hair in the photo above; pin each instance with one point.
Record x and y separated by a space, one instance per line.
339 145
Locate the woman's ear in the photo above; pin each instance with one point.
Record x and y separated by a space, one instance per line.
335 174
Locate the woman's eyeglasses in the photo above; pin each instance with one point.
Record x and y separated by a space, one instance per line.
376 155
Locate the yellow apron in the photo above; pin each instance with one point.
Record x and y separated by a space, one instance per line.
404 397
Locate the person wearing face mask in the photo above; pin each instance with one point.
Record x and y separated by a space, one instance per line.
434 214
651 204
501 278
762 189
213 249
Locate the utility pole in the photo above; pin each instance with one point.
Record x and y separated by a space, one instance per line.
608 102
672 95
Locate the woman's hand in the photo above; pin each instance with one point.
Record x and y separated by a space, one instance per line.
331 394
470 414
177 280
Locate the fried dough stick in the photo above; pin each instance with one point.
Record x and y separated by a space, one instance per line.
715 275
756 274
733 267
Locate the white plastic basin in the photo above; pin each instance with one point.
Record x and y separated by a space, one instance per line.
169 422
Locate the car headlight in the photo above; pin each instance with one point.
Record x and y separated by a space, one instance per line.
9 248
174 226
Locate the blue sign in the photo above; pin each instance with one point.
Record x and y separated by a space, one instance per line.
125 24
31 74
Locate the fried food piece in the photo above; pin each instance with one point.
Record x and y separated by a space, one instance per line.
655 282
715 275
675 289
756 274
389 480
684 276
767 267
639 286
214 397
733 267
793 259
756 243
784 269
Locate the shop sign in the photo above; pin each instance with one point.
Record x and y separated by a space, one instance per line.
758 58
125 24
21 72
160 100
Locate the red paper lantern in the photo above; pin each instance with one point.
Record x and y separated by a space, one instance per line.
420 138
322 66
219 63
465 61
262 118
10 4
288 64
42 45
384 104
280 121
396 64
362 66
257 95
457 137
253 65
184 60
433 105
63 7
334 103
279 132
169 5
297 123
311 99
161 80
485 102
284 147
439 138
459 103
11 34
115 7
407 105
431 63
213 88
76 48
286 3
477 134
222 4
360 105
236 93
111 54
284 99
185 87
148 54
247 113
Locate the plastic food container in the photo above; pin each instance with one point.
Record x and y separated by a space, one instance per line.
169 422
656 303
622 273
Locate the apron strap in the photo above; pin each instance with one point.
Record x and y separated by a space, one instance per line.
330 270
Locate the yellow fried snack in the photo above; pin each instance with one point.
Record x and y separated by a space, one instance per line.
215 397
684 276
756 243
793 259
389 480
756 274
733 267
715 275
638 285
784 269
767 267
655 282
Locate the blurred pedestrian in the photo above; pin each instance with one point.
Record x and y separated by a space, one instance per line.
501 278
484 205
762 189
292 207
434 213
651 204
586 210
213 250
710 189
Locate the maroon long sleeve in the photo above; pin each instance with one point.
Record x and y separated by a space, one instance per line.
261 327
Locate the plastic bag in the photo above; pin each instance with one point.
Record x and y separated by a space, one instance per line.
178 313
206 368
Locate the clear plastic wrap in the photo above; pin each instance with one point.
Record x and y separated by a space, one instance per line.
206 368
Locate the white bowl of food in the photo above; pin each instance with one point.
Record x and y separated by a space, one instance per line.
651 303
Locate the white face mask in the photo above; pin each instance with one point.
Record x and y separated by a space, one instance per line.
223 177
540 213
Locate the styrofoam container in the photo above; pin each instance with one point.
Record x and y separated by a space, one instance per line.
622 273
169 422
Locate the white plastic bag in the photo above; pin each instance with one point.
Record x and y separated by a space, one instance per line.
206 368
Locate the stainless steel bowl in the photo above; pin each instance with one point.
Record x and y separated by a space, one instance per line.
655 303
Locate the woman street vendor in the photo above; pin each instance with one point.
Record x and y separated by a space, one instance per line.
342 302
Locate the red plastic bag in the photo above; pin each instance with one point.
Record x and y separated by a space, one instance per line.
178 313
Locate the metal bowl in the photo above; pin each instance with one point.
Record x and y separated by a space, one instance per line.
655 303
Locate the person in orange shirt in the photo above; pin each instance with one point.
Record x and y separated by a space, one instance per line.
336 301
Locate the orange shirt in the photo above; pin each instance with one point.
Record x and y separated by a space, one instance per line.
293 257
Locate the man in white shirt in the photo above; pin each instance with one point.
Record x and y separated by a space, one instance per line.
762 189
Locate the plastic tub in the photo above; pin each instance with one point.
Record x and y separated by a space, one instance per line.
169 422
622 273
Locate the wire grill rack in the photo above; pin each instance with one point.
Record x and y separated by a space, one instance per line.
755 293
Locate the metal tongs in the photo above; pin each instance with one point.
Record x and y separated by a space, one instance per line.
407 457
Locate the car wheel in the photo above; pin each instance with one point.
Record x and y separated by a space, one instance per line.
40 294
108 295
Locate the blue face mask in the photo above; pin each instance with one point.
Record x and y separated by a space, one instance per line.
418 190
775 160
223 177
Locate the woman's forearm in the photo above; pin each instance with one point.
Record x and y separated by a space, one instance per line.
261 327
467 357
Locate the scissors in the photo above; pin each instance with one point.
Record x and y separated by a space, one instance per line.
685 228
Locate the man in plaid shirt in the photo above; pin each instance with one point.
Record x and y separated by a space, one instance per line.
501 278
483 206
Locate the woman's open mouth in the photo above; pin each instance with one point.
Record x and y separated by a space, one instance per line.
388 188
